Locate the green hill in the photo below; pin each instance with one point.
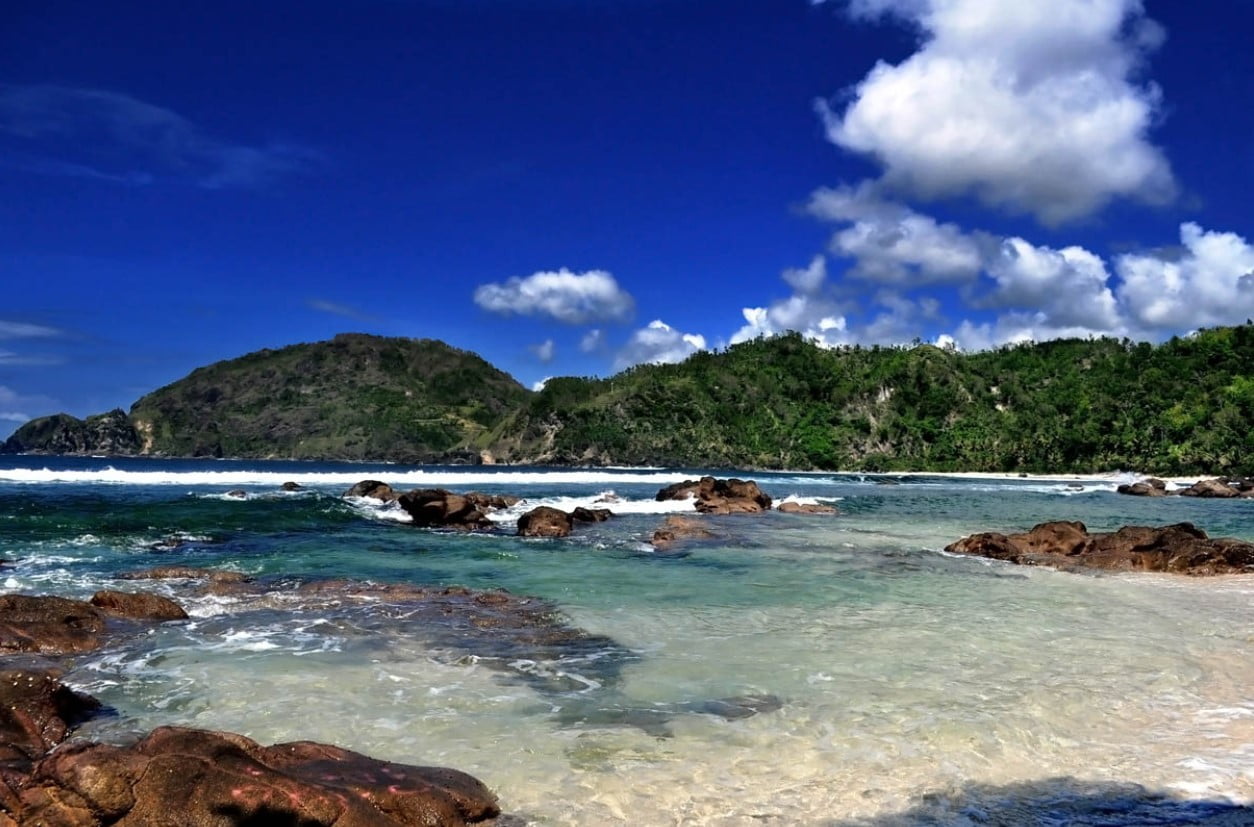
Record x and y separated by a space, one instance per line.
1082 406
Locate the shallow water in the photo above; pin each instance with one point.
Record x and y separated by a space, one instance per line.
912 687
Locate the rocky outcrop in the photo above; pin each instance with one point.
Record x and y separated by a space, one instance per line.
1182 548
223 778
715 496
1226 488
107 433
37 712
545 521
791 507
437 508
49 625
138 605
486 502
374 489
1150 487
187 573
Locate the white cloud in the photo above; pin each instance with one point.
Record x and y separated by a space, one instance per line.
545 351
1210 283
1029 106
809 310
25 330
337 309
573 298
1068 287
592 341
15 407
8 357
892 244
539 386
658 343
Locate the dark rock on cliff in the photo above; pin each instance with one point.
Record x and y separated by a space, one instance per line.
1182 548
107 433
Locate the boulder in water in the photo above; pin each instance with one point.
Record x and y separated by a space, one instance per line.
437 508
545 521
138 605
715 496
373 489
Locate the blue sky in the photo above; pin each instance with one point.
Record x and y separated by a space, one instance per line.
574 186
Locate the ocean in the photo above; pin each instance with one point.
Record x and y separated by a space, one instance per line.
793 670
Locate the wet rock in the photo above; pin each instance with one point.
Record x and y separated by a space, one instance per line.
1150 487
291 486
37 712
1181 548
545 521
675 529
187 573
715 496
1211 489
373 489
237 494
49 625
484 502
805 508
591 515
438 508
222 778
138 605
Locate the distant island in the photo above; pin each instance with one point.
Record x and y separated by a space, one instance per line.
1183 407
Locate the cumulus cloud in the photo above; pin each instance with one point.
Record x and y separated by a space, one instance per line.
573 298
110 136
891 243
1027 106
810 310
1069 288
1210 282
658 343
545 351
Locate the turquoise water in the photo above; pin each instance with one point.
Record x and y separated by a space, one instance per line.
893 684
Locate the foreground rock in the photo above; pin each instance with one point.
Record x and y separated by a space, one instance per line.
715 496
1181 548
189 776
60 626
37 712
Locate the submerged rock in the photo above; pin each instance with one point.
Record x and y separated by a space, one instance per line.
715 496
1182 548
805 508
675 529
291 486
223 778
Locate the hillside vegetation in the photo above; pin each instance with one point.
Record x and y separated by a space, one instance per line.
1183 407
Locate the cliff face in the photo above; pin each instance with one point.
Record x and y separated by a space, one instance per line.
108 433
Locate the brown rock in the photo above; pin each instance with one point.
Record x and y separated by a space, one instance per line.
138 605
591 515
675 529
1218 489
51 625
219 778
37 712
545 521
290 486
373 489
435 507
484 502
1181 548
715 496
187 573
805 508
1150 487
